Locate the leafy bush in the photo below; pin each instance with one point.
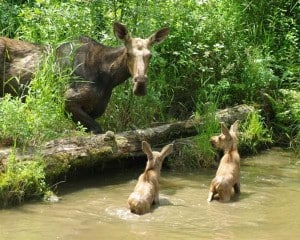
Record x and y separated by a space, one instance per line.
8 20
286 124
14 126
54 21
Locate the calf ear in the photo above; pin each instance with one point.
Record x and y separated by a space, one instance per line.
225 131
121 31
147 150
168 149
234 127
159 36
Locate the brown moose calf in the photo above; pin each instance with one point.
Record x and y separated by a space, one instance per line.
146 191
228 173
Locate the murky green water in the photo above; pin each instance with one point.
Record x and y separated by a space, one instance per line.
268 207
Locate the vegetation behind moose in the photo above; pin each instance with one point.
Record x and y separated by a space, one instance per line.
97 69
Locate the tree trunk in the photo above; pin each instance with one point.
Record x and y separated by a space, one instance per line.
61 155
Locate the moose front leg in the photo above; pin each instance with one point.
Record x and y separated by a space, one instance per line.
212 190
210 196
78 115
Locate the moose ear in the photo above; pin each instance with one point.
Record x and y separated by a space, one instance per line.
159 36
167 150
225 131
121 31
147 150
234 127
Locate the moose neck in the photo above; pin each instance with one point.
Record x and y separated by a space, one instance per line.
118 65
232 148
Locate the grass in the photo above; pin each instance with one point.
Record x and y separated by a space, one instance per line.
286 125
254 134
42 116
22 181
197 152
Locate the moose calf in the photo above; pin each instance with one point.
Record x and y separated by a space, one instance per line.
228 173
146 191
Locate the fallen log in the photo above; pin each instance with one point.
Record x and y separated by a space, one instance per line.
88 151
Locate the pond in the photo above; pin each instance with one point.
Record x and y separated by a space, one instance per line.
267 208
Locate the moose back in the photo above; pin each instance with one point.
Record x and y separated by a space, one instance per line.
96 68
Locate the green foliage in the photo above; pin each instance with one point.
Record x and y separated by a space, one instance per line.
126 111
286 125
22 180
206 153
13 124
254 134
45 20
273 26
8 20
197 152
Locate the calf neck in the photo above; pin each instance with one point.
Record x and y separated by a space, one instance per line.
97 70
228 173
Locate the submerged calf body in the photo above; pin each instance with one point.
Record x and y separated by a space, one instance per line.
228 173
146 191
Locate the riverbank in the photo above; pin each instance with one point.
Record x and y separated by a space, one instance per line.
96 206
29 174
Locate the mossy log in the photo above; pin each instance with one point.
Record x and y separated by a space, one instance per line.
89 151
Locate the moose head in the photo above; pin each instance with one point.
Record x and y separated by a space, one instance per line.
139 54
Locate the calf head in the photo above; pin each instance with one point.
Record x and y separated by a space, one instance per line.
155 159
138 55
227 140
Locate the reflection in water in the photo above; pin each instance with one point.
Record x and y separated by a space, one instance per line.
268 207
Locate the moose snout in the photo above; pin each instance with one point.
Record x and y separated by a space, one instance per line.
140 85
140 79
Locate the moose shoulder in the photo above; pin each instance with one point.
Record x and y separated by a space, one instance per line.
97 70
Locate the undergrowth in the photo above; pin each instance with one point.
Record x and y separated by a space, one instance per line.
41 116
21 181
255 135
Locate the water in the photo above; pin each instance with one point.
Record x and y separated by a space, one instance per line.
268 207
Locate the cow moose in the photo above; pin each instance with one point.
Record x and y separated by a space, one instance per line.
97 69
